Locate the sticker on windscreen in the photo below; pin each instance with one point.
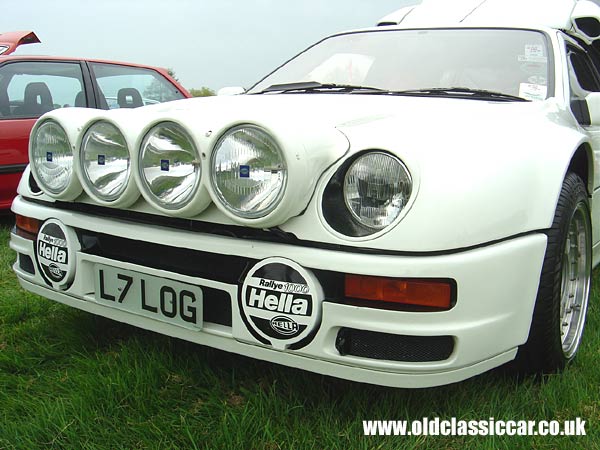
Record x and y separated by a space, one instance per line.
534 92
281 302
533 53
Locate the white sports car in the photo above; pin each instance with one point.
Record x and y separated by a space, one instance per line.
406 205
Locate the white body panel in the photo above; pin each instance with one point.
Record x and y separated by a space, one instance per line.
492 319
522 169
486 177
512 13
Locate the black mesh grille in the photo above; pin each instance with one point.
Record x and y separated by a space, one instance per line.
393 347
26 264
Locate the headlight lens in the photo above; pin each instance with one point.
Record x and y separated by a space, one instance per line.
249 172
52 157
377 186
169 165
105 160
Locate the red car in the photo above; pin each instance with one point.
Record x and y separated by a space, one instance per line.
33 85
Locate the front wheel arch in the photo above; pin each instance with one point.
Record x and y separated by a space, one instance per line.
582 164
558 319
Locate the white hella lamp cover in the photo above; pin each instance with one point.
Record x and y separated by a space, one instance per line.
281 303
56 247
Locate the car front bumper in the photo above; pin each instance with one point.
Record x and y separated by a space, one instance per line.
496 290
9 180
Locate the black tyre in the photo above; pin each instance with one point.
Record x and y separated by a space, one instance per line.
563 293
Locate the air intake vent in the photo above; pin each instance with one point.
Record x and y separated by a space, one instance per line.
393 347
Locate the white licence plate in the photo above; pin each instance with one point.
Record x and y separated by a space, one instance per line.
159 298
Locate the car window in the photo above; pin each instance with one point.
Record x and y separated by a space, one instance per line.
30 89
583 77
131 87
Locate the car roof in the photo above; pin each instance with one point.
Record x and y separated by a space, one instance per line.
163 71
14 57
10 41
578 17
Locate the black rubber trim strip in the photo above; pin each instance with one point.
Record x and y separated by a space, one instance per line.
12 168
274 235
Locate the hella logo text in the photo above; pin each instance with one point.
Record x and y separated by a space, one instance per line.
284 325
52 253
55 270
278 301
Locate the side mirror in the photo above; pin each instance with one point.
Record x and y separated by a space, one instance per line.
593 105
232 90
585 17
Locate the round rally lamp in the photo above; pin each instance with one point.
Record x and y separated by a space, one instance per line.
170 171
104 159
51 158
377 187
249 172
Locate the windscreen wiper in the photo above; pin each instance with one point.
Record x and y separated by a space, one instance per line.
462 92
315 86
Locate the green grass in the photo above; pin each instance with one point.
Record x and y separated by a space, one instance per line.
72 380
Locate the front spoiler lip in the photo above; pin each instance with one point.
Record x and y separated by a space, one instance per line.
220 340
487 307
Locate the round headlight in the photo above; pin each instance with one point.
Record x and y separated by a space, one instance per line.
169 166
105 161
248 172
377 186
52 157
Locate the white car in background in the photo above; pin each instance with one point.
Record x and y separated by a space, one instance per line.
406 205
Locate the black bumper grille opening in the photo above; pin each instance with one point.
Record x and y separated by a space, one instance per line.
216 303
212 266
216 306
26 264
393 347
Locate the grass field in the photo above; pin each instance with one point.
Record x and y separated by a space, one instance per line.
72 380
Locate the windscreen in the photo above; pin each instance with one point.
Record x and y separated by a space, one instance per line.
509 61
